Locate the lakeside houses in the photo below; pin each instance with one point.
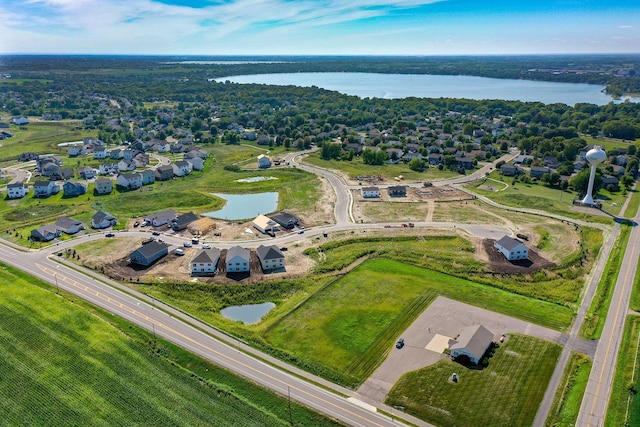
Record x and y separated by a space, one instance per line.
205 263
45 188
17 190
238 260
271 257
285 219
264 224
103 186
102 220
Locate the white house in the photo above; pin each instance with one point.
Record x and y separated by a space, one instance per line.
148 176
69 225
103 219
75 150
100 152
271 257
45 188
205 262
265 224
512 249
161 218
126 165
238 259
472 342
130 181
196 163
181 168
103 186
264 161
370 192
17 190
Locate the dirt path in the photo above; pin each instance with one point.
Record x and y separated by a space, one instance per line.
431 206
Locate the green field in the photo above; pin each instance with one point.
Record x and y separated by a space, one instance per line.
349 325
566 404
624 404
63 362
506 393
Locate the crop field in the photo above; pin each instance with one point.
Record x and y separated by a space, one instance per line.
350 324
506 393
62 362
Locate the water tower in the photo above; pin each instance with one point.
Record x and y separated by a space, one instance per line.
595 156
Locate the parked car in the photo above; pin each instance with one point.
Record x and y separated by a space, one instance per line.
301 232
156 233
179 252
137 223
284 249
206 246
109 235
400 343
187 244
195 241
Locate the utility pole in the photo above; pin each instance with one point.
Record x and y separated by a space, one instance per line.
290 415
57 287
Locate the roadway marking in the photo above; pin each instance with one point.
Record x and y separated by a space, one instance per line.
615 324
215 352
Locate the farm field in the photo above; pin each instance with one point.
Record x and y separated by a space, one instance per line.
64 362
507 392
350 324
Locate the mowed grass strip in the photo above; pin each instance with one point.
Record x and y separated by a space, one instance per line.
624 404
506 393
63 362
566 404
347 327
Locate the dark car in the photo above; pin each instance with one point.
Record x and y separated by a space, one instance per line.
400 343
109 235
156 233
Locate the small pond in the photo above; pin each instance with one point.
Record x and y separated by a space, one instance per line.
256 179
249 314
245 206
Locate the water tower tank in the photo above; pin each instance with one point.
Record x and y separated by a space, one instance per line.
595 156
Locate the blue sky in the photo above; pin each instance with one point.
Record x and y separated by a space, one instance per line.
319 27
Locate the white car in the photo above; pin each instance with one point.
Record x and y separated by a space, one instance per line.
207 246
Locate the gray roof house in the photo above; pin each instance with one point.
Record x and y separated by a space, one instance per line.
149 253
472 342
161 218
285 219
103 186
512 249
103 219
164 172
45 233
73 188
205 262
182 221
69 225
271 257
238 259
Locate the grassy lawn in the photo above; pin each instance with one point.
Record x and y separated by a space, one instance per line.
538 196
568 399
634 304
349 325
624 404
465 213
355 168
393 211
506 393
597 314
634 203
63 362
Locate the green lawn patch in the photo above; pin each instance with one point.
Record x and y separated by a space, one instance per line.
634 203
597 314
567 401
64 362
624 404
506 393
634 304
349 325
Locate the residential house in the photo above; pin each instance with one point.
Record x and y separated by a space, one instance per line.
100 152
194 151
75 150
285 219
196 163
610 182
60 174
164 172
238 260
264 161
537 171
20 121
183 221
434 159
473 342
464 162
28 156
397 191
510 170
181 168
148 177
263 139
550 162
116 154
88 172
129 154
73 188
108 169
394 154
126 165
512 249
205 263
370 192
271 257
162 146
522 159
141 160
129 181
17 190
264 224
103 186
45 188
149 253
103 219
69 225
45 233
161 218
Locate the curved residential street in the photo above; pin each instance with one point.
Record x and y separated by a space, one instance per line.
307 389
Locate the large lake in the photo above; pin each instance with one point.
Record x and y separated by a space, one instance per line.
370 85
